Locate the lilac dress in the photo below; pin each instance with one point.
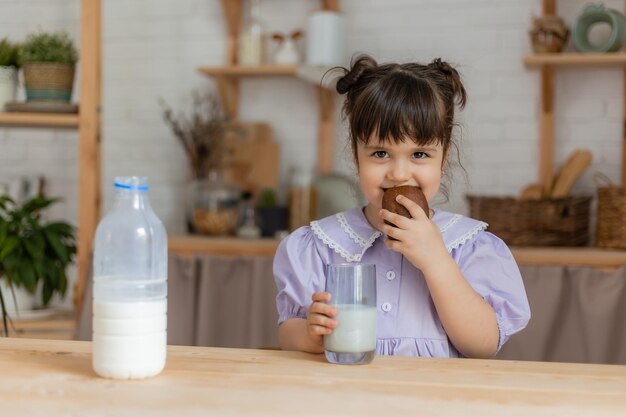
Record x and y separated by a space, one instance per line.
408 323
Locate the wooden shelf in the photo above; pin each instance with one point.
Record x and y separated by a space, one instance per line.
60 325
188 245
231 246
244 71
227 78
548 64
582 256
576 60
39 119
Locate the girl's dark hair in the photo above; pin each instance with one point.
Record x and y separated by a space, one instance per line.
399 101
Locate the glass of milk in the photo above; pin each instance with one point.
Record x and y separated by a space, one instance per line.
353 290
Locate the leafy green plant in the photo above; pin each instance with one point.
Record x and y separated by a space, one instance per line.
266 198
8 53
33 251
48 47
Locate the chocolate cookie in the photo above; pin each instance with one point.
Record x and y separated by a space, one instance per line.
412 193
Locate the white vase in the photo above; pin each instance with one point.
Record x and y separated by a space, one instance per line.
8 85
25 300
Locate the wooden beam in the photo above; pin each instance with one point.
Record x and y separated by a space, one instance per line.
326 130
549 6
232 15
228 88
624 131
331 5
546 130
624 138
89 141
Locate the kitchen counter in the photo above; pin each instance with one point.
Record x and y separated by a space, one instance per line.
54 378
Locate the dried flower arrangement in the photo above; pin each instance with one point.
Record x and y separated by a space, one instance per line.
201 132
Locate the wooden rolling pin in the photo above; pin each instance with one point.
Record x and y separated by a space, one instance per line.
570 171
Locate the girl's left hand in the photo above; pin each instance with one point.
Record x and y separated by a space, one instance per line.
418 238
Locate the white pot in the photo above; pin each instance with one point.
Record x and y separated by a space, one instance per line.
326 39
8 85
25 300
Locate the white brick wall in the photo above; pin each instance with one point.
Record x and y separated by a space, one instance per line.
151 49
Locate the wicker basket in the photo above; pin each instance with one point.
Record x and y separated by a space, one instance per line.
48 81
546 222
611 224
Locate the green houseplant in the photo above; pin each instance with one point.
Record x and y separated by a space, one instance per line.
272 217
48 59
8 71
33 251
8 53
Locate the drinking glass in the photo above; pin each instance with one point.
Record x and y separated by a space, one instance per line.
353 290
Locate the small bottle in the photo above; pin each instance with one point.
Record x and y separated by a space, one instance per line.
130 286
251 39
302 199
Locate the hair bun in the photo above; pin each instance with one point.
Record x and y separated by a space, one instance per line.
352 76
454 79
443 66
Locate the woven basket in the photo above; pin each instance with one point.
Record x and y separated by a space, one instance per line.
48 81
546 222
611 224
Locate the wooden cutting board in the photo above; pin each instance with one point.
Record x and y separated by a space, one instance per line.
252 156
570 171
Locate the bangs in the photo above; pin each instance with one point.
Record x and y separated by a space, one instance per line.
401 107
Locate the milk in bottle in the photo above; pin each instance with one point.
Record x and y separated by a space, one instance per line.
130 286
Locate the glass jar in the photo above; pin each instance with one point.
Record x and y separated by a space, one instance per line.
213 205
302 198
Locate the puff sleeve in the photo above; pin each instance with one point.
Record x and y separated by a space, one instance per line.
298 273
488 265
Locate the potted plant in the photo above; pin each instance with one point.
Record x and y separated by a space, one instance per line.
33 253
272 217
8 71
48 60
212 201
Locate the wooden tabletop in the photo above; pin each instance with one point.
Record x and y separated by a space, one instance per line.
54 378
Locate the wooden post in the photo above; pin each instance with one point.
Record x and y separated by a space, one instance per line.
546 118
228 88
549 6
89 137
332 5
624 136
326 131
546 130
232 13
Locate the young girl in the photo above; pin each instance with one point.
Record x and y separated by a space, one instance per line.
446 287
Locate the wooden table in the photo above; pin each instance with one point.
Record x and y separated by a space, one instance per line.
54 378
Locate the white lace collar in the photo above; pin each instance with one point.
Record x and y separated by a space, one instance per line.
349 233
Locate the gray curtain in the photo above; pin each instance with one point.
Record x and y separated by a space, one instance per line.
222 301
215 301
578 315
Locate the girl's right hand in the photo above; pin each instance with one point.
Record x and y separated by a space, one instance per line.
320 317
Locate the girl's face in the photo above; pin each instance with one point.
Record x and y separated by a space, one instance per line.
387 165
